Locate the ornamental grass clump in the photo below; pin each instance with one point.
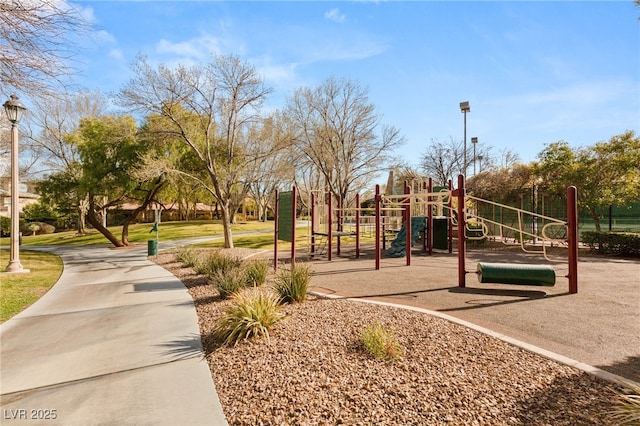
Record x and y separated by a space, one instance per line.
627 411
256 271
188 256
291 284
380 343
229 281
252 314
216 261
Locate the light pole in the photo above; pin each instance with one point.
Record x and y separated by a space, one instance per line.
465 108
474 141
14 110
480 157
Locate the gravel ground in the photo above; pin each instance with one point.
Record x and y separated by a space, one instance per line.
314 371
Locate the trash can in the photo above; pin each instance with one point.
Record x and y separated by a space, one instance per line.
152 248
441 233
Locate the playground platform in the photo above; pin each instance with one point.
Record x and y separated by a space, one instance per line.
598 326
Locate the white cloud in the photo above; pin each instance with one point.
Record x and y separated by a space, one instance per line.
335 15
116 54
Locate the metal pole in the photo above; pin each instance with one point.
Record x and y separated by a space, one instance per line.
378 225
461 233
464 173
14 260
572 237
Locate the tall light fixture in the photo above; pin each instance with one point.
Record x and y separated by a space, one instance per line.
474 141
14 110
465 108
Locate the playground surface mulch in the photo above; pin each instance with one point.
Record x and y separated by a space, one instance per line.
314 372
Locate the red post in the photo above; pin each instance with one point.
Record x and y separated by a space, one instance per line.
572 237
357 226
275 233
329 225
462 243
339 224
428 235
407 223
294 195
313 224
449 213
378 226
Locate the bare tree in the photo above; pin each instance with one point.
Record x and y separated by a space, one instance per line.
209 109
341 135
272 169
36 44
444 160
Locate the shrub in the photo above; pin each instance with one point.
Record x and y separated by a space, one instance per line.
216 261
613 243
33 228
256 271
250 317
380 343
188 256
627 411
291 284
229 281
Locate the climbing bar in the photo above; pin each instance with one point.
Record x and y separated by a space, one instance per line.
515 273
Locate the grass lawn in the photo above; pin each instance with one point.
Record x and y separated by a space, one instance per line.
21 290
139 233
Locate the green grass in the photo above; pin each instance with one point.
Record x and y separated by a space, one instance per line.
21 290
380 342
139 233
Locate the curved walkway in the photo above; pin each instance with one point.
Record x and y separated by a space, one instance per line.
115 341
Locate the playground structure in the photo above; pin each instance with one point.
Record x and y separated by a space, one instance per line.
440 216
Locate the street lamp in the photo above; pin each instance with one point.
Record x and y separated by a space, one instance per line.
474 141
14 110
465 108
480 158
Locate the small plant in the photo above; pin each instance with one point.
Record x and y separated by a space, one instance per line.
627 411
216 261
256 271
229 281
380 342
291 284
188 256
251 316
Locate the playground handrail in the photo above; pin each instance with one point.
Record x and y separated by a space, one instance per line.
543 234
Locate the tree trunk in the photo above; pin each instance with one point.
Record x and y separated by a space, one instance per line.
97 224
596 218
226 226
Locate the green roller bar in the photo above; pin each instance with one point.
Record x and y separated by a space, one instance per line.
516 273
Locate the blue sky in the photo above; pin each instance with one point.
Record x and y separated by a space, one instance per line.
533 72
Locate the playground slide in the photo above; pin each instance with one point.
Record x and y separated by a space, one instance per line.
399 245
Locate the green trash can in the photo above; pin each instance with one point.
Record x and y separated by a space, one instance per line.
441 233
152 248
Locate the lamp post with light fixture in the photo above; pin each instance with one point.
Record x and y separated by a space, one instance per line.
14 110
465 108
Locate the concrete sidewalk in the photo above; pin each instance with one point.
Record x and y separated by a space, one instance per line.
115 341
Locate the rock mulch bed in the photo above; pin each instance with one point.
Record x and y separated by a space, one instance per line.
314 371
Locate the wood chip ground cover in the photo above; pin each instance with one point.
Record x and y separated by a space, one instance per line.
314 371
